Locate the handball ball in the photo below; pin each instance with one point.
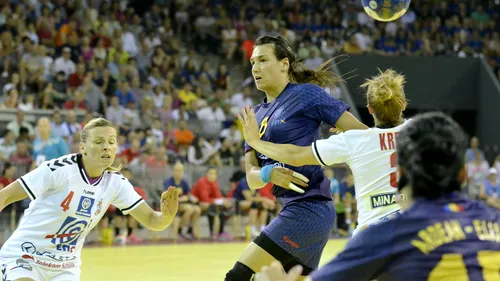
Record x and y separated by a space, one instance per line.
386 10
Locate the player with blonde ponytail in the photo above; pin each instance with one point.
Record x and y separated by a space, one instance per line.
69 196
371 153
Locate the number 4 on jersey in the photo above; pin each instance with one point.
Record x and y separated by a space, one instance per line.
67 201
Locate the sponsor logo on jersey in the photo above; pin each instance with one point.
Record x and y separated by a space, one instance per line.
68 234
86 192
382 200
454 208
64 265
289 241
85 206
21 263
28 247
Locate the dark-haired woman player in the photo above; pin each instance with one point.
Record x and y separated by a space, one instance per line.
292 112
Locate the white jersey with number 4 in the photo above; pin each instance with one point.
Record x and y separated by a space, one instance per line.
371 156
65 206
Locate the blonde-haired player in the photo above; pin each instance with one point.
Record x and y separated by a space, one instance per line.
69 196
371 153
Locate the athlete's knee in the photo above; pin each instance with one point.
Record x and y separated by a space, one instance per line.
256 205
188 210
196 210
239 272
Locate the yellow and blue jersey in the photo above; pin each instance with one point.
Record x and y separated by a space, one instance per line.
451 238
294 117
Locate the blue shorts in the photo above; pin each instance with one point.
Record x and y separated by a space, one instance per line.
302 229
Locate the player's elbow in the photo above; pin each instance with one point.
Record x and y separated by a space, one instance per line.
160 225
302 157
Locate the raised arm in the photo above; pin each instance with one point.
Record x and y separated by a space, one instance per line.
154 220
347 121
12 193
292 154
319 105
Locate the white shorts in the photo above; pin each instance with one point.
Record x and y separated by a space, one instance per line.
12 269
376 221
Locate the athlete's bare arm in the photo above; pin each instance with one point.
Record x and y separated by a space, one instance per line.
12 193
253 170
285 153
347 121
158 221
280 176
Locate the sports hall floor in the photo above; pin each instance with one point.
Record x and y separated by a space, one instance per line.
173 262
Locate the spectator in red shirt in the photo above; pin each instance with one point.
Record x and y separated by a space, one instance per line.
77 102
207 191
21 158
132 152
9 176
75 80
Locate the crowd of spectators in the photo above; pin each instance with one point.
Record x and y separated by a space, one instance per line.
173 75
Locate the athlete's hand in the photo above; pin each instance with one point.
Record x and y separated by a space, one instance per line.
335 131
249 124
170 202
275 272
288 179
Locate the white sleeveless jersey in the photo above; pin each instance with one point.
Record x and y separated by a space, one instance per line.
63 210
371 155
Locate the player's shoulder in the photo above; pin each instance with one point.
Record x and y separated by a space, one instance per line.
373 131
118 179
63 164
307 87
116 175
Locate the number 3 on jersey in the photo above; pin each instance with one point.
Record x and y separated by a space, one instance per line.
67 201
394 175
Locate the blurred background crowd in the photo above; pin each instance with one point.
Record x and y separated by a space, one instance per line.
172 75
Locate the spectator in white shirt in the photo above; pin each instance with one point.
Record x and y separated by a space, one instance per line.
180 112
15 125
158 96
241 100
129 41
28 103
201 151
364 40
57 126
48 62
314 60
71 126
157 130
115 112
211 118
7 145
232 133
64 63
132 118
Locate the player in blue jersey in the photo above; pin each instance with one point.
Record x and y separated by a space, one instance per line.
443 235
293 109
370 154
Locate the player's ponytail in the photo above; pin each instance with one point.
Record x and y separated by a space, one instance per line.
431 151
297 72
385 95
